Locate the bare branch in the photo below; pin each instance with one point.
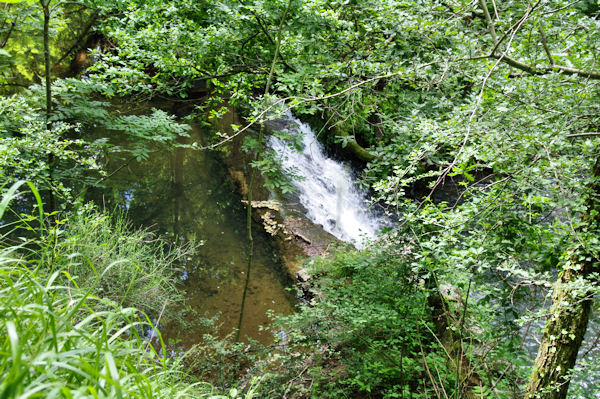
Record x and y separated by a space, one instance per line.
495 10
584 134
441 179
574 71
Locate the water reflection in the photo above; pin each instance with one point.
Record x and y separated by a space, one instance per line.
186 195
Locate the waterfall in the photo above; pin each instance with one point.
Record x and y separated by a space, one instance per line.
326 189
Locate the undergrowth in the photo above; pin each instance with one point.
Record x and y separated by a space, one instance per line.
66 335
366 334
56 345
128 266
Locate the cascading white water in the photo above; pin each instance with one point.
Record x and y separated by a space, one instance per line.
327 190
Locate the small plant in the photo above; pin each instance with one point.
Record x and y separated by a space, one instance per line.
221 361
366 334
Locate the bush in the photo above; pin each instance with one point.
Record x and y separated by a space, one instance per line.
368 333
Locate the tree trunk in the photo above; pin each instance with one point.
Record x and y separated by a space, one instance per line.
45 4
46 8
570 311
449 334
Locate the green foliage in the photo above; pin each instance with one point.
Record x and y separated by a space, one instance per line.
369 331
220 360
21 25
64 158
130 267
484 131
78 102
27 147
278 179
146 131
61 340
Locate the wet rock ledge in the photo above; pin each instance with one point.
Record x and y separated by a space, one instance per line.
294 236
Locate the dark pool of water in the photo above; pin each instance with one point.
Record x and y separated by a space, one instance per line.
186 195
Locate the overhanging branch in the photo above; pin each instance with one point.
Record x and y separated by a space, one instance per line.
532 70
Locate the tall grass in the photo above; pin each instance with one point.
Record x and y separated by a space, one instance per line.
130 267
56 345
59 339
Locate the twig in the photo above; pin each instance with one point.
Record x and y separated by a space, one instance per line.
514 26
427 366
495 9
292 380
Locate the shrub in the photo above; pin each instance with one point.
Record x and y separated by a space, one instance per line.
367 334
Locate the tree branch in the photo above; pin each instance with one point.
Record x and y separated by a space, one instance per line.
584 134
532 70
10 31
545 44
488 18
269 38
79 39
